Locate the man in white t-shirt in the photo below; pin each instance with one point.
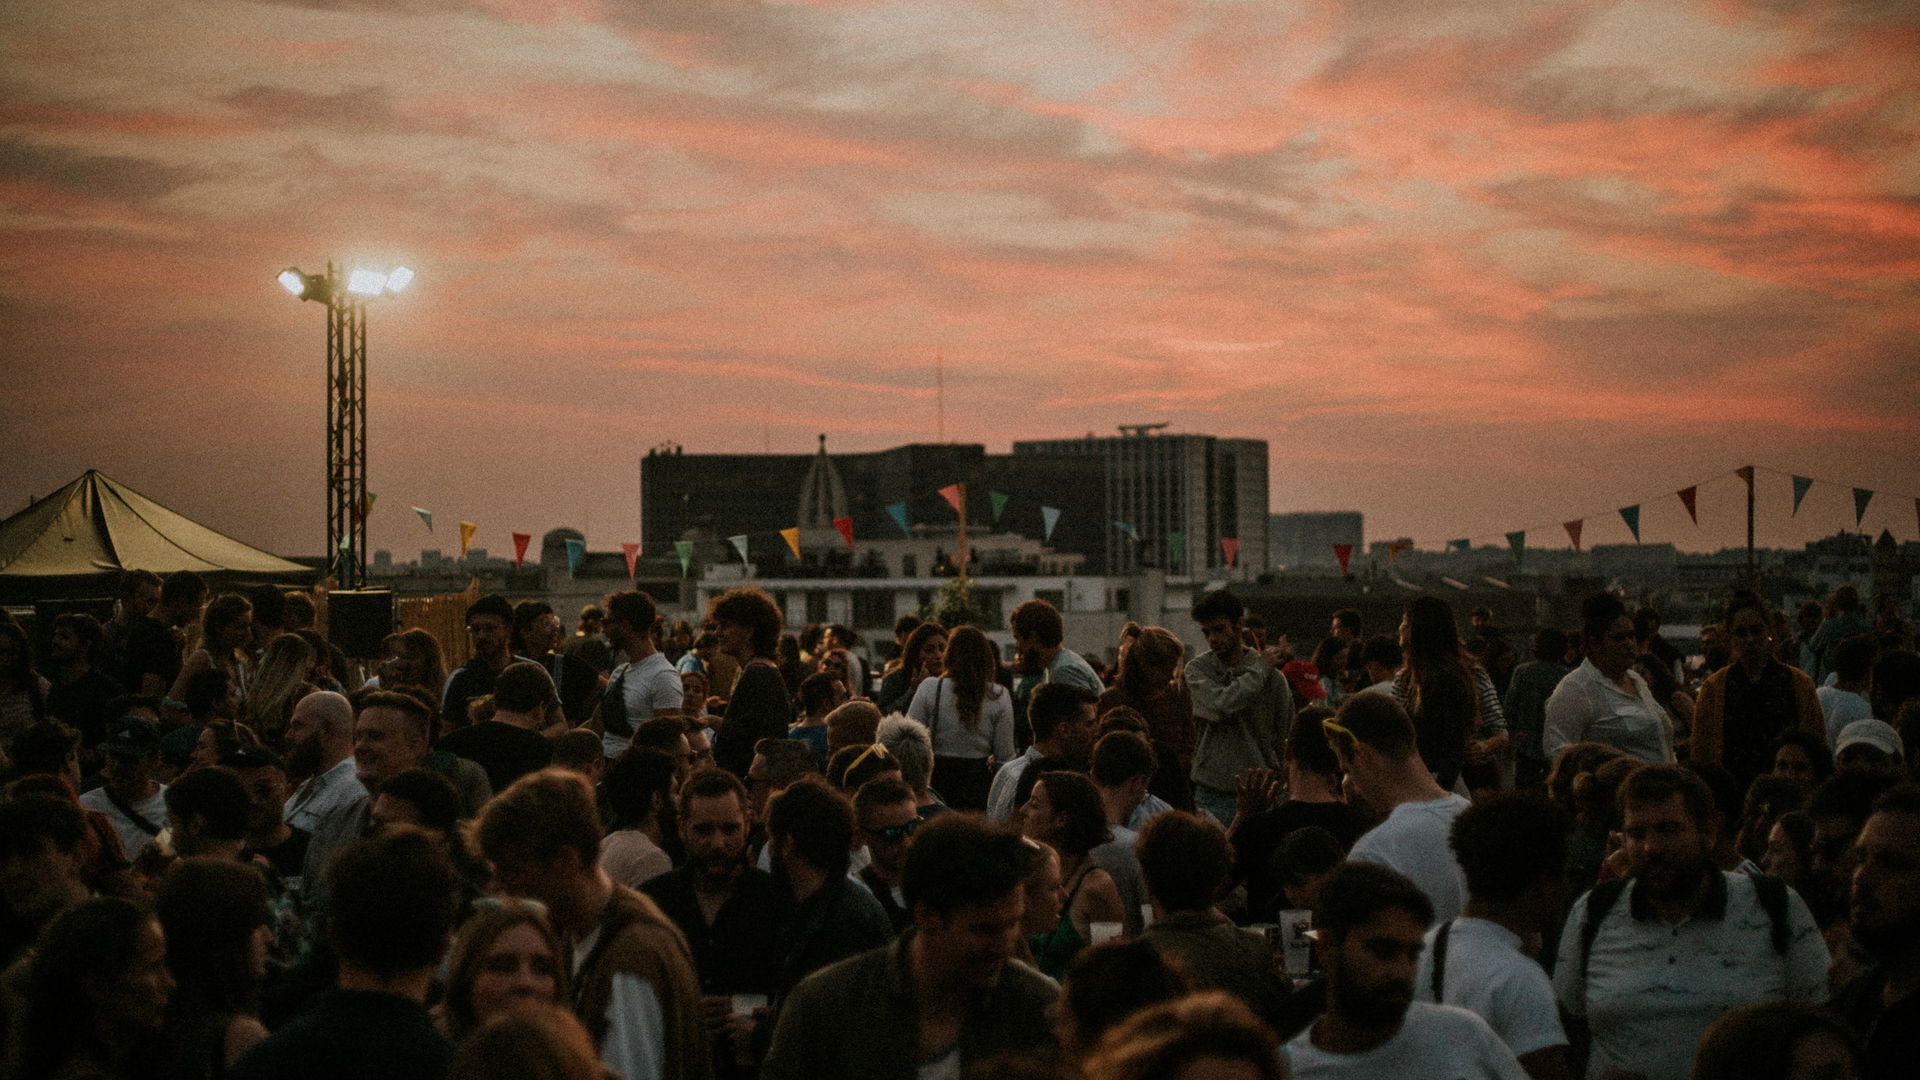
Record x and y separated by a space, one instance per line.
647 684
1846 700
1372 925
1648 963
1375 742
130 797
1512 849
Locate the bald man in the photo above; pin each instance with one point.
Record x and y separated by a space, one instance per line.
319 745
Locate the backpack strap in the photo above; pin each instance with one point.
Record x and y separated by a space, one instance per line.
1440 961
1599 901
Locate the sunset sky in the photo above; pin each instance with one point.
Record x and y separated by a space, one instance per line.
1469 267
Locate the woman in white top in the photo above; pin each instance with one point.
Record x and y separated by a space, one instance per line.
971 718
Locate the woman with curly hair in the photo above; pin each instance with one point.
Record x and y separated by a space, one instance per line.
1150 684
970 716
226 630
1455 707
746 625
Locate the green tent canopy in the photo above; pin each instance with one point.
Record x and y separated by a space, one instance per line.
77 540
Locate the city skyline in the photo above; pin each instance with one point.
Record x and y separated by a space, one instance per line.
1466 267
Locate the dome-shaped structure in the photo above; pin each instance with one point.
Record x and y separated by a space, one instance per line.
553 546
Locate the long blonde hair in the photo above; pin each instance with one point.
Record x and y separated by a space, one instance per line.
281 681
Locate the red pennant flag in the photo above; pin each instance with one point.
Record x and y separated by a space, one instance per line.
1687 495
520 542
1573 532
632 551
1230 547
1343 552
845 525
955 494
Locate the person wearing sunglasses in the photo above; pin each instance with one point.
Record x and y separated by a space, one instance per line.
886 815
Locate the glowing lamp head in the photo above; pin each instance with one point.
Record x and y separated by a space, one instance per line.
366 282
293 281
398 279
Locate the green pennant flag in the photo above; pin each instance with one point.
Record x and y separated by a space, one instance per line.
1800 486
999 505
1176 549
684 549
1631 515
1517 540
1463 544
1861 497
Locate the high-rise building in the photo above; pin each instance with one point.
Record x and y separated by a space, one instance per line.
1300 541
1169 500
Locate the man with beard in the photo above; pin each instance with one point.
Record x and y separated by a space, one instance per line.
320 749
941 997
1373 923
1883 1004
490 626
80 689
1647 965
1040 658
730 911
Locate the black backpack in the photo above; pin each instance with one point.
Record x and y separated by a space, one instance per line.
1770 891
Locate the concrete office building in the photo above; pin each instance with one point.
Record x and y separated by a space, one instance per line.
1305 540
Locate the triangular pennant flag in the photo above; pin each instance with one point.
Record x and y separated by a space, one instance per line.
467 529
1517 540
1861 497
1394 549
1631 515
1745 472
1687 497
1462 544
999 505
632 551
740 545
1230 547
346 541
792 537
845 525
1049 517
898 512
955 494
576 550
1132 533
684 549
520 542
1573 532
426 516
1343 552
366 504
1800 486
1176 549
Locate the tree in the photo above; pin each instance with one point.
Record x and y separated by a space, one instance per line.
955 605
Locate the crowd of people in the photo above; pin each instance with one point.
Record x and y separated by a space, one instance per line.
649 850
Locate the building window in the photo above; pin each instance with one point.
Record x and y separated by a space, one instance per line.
1122 599
1056 597
909 566
873 609
816 606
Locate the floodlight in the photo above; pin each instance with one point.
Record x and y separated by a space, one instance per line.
399 278
366 282
293 281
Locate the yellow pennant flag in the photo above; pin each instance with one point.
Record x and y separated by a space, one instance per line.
792 537
1394 549
467 529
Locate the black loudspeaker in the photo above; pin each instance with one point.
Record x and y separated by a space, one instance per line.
359 620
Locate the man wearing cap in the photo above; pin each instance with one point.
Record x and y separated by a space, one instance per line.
490 626
131 798
1869 746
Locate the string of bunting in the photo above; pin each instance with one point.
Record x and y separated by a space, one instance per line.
955 496
1689 496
